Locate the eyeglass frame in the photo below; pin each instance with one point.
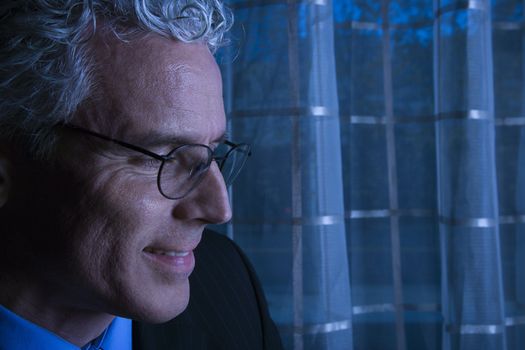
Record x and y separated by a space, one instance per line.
165 157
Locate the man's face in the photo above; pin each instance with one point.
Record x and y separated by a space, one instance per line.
117 244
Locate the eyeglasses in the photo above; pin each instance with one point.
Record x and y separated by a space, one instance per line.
184 167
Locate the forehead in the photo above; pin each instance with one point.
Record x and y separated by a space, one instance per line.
153 84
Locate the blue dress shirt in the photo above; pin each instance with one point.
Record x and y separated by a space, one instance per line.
16 333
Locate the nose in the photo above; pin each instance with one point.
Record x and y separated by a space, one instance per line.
209 201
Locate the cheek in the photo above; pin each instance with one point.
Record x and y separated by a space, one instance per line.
109 223
109 226
104 253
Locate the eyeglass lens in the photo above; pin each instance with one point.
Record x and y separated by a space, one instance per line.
186 165
233 163
183 170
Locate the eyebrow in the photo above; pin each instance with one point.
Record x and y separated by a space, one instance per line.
157 139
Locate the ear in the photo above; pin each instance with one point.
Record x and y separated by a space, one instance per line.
5 178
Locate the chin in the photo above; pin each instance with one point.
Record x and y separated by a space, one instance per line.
167 315
161 305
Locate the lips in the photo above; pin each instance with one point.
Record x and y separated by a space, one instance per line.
166 252
177 263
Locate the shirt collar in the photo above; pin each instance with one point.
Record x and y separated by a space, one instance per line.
17 333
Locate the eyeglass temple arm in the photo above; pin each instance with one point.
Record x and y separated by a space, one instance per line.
118 142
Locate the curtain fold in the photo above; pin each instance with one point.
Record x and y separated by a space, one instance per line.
472 285
384 204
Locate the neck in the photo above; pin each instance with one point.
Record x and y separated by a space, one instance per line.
74 325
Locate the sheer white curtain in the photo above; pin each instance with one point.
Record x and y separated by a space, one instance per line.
384 204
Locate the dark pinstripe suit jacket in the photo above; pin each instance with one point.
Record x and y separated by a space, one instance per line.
227 308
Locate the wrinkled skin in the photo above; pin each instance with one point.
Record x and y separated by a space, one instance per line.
79 225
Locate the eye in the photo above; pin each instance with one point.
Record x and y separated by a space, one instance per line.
145 162
151 163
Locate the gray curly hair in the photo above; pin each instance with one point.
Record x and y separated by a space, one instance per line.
46 70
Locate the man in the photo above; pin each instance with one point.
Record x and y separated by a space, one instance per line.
112 144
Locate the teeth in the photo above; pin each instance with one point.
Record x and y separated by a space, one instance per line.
168 253
180 254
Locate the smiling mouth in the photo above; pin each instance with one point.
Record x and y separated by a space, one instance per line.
171 262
